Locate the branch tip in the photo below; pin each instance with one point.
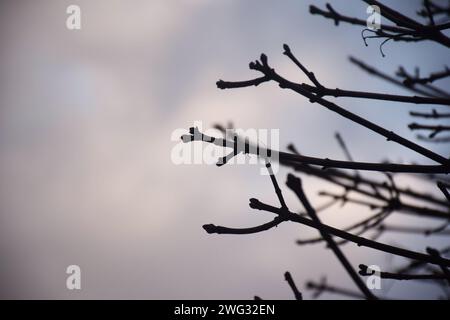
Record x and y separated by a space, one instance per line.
209 228
254 203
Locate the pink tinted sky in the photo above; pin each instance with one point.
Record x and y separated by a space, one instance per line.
86 119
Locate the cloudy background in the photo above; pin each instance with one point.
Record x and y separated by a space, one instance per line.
86 119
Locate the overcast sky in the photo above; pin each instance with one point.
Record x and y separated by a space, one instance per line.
86 119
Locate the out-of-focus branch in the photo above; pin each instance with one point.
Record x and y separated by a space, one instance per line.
211 228
338 18
435 253
336 177
433 9
379 74
295 184
440 230
322 287
409 80
360 241
364 271
444 188
433 115
405 29
431 78
196 135
263 67
434 140
435 129
376 96
290 281
414 265
365 224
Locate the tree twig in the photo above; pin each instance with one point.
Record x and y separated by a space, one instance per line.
290 281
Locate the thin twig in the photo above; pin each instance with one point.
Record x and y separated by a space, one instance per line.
196 135
364 271
435 129
294 183
263 67
444 188
290 281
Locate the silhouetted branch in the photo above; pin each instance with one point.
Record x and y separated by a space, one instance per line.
435 129
241 84
386 197
376 96
335 177
264 153
410 82
349 157
290 281
395 16
427 5
337 18
413 265
377 73
295 185
443 187
433 115
263 67
211 228
435 253
343 146
322 91
344 198
360 241
276 187
440 230
433 9
364 271
366 224
405 29
322 287
434 140
432 77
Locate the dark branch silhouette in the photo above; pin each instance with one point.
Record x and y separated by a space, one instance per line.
404 28
294 183
290 281
444 188
263 67
431 78
364 271
433 115
435 129
383 197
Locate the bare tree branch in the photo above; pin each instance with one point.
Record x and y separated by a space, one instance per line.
290 281
364 271
433 115
294 183
435 129
263 67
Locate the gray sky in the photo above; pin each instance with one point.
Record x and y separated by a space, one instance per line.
86 119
